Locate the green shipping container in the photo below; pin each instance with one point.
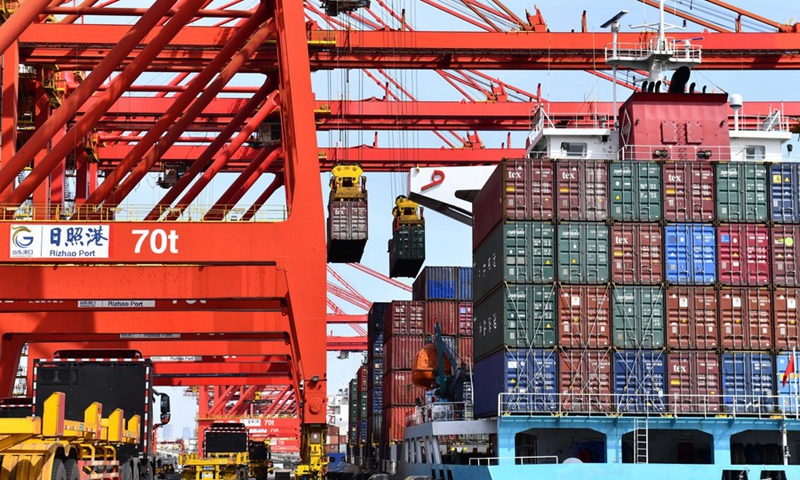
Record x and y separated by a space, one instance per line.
742 192
515 252
515 316
583 256
636 191
407 250
637 317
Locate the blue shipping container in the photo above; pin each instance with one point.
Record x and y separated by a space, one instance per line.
465 283
640 380
375 318
532 374
435 283
363 431
376 343
747 382
691 254
788 393
784 190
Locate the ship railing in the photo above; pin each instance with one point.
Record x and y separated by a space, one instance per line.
440 412
534 460
783 406
679 50
136 213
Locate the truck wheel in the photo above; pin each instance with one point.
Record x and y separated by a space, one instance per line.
59 472
125 471
72 470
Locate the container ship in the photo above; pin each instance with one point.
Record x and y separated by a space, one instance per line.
635 302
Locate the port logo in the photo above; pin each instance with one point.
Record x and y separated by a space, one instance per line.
19 237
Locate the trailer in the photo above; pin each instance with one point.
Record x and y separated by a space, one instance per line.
226 452
50 447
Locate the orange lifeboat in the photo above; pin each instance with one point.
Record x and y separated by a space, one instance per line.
424 372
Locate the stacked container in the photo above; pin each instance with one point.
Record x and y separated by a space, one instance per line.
352 421
662 286
404 337
375 375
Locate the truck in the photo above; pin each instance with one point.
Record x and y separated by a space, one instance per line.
117 379
226 454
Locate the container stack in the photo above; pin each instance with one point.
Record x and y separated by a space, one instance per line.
375 375
352 420
404 336
636 286
361 428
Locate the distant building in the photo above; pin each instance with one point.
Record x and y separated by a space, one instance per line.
187 433
167 432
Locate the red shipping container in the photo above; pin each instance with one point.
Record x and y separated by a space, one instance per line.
465 350
637 254
394 423
787 318
404 318
745 319
582 190
688 192
585 381
398 389
399 352
443 311
743 251
693 381
465 318
584 317
519 189
785 255
692 322
361 374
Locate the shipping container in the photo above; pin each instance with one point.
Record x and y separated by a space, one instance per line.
375 346
398 390
637 316
745 317
693 382
464 285
742 192
465 348
744 258
404 318
515 316
582 190
635 191
519 189
785 192
445 313
637 252
374 373
691 254
786 318
520 252
406 250
584 317
394 423
374 401
639 381
688 192
787 381
585 381
530 375
361 376
400 352
786 255
347 230
583 253
375 317
692 321
465 318
747 382
435 283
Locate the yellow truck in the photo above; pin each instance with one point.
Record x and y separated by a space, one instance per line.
225 455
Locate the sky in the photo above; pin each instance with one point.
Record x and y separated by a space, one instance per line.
561 15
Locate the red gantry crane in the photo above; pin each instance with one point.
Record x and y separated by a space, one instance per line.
96 96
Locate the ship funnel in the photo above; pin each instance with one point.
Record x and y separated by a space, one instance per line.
736 105
679 80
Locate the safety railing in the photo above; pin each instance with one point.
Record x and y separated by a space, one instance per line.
534 460
697 153
440 412
785 406
136 213
679 50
